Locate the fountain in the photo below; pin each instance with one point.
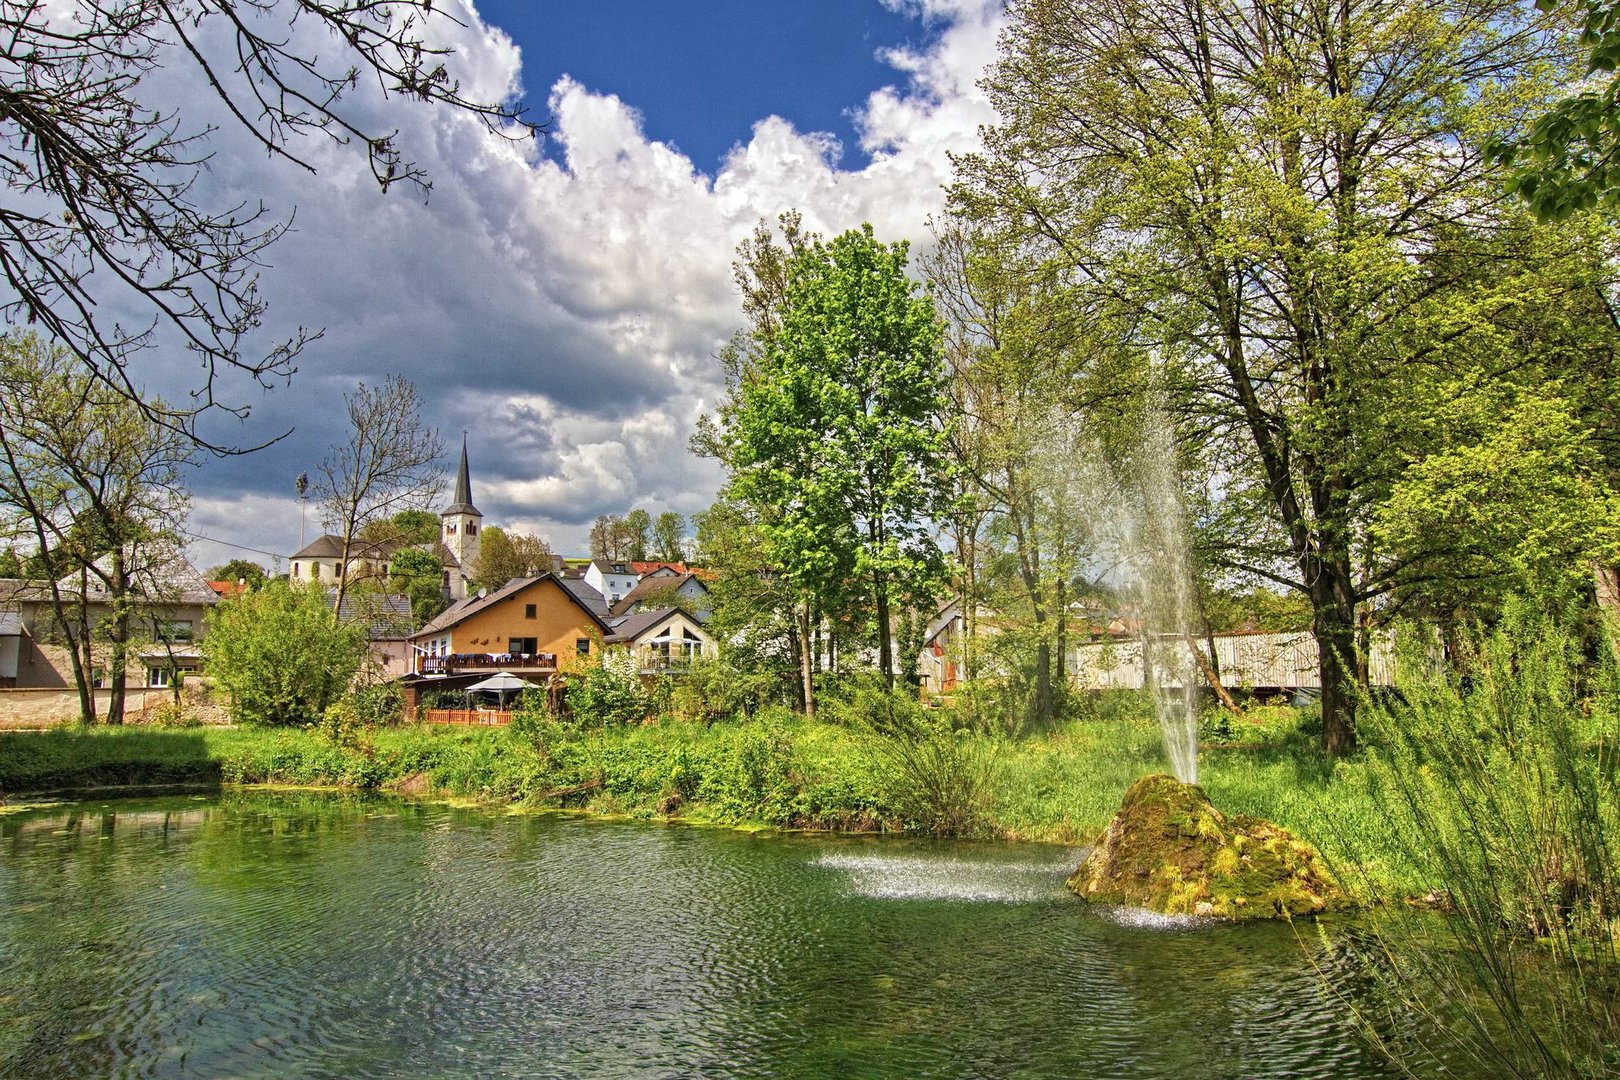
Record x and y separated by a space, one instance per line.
1154 549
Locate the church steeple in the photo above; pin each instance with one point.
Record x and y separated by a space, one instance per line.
462 503
458 529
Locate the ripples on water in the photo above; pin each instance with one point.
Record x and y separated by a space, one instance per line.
266 936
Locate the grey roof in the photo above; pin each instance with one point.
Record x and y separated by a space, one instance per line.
586 594
615 566
653 583
10 624
462 609
330 546
630 627
163 576
388 615
462 502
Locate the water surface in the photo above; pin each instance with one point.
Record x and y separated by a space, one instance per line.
309 935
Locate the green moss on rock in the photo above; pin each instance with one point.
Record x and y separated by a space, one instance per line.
1169 850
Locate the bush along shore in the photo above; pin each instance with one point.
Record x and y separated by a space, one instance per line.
915 773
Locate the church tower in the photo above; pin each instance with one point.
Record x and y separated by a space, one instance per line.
458 528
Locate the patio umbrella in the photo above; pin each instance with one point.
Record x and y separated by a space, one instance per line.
502 683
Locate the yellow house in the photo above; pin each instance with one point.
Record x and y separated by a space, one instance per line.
529 626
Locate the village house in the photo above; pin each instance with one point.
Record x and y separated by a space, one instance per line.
173 598
661 641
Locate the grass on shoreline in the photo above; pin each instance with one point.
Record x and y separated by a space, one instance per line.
776 770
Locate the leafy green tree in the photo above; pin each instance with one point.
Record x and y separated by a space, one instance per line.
834 430
669 536
638 526
419 574
239 570
503 556
413 526
1568 161
281 654
612 538
97 480
1294 223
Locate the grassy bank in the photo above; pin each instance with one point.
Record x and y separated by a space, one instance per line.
775 770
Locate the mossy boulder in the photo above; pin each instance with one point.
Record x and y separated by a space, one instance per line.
1170 851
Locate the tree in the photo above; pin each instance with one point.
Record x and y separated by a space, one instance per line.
612 538
638 525
97 483
834 430
669 536
1569 159
418 574
281 654
390 461
406 527
242 570
104 212
1296 215
503 556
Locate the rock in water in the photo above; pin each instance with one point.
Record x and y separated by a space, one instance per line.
1169 850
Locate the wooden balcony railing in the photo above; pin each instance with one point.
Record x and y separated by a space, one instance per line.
461 663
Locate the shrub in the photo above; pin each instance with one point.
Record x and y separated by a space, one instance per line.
281 654
606 697
938 778
1500 790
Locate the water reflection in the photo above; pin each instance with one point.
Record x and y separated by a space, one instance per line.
308 935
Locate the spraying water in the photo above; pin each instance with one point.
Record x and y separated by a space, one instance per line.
1156 552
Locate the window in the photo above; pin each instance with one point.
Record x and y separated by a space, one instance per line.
98 678
472 528
529 611
295 569
583 646
157 677
172 630
523 646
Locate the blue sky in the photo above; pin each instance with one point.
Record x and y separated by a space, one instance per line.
562 300
702 74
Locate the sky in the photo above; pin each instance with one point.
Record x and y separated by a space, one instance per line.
560 300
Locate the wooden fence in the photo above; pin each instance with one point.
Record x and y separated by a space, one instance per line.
485 717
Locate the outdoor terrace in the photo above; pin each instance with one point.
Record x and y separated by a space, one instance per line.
465 663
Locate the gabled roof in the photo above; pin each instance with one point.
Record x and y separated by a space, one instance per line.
162 576
462 610
647 586
655 566
10 624
614 566
228 590
631 627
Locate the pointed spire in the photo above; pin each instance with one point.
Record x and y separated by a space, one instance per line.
462 503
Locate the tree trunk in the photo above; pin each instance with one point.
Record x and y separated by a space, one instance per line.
117 635
1334 628
807 685
880 596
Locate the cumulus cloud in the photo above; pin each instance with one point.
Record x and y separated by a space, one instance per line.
564 309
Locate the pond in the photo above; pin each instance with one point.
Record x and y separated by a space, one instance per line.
266 934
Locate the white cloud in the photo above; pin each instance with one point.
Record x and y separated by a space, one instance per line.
565 313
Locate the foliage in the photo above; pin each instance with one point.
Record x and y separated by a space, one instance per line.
607 697
419 575
831 431
390 460
103 227
940 779
96 482
1295 236
242 570
503 556
410 526
1501 790
1569 159
669 536
281 654
615 538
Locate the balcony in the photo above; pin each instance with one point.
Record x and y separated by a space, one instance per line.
470 663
